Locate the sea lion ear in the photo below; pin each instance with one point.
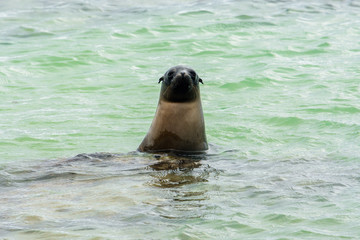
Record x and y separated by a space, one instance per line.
200 80
161 79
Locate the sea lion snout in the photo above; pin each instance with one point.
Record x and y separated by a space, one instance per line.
182 82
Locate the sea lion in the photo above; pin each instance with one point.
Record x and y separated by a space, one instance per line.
178 125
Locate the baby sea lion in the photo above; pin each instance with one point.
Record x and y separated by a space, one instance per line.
178 125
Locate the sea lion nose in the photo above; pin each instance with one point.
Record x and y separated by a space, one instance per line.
182 73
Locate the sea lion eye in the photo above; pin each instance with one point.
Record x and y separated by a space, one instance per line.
192 74
171 73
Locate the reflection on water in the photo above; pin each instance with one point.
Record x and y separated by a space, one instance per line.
166 170
175 171
89 190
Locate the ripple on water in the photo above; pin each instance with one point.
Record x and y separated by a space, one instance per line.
281 102
220 27
196 13
30 32
247 83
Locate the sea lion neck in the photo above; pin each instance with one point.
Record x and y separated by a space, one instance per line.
176 127
183 94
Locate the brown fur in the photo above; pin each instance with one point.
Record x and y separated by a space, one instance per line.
177 126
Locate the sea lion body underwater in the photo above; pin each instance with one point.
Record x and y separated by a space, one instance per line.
178 125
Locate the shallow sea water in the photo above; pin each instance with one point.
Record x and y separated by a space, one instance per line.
281 101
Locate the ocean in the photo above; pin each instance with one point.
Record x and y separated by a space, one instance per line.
281 101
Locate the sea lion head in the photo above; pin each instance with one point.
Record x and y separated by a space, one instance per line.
180 84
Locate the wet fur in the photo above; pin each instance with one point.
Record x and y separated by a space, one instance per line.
178 124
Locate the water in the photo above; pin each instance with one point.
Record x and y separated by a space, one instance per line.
281 105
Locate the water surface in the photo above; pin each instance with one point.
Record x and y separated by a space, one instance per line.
281 105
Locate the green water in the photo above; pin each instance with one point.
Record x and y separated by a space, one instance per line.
281 100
